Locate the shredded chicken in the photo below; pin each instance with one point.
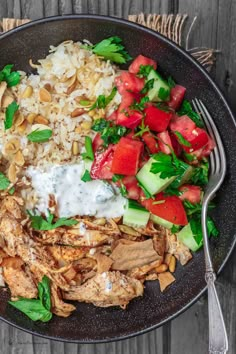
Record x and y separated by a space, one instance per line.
59 307
177 248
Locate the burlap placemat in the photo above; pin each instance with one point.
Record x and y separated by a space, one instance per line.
171 26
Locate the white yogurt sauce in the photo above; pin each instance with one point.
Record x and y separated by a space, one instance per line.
73 196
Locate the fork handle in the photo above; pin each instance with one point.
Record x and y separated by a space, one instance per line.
218 341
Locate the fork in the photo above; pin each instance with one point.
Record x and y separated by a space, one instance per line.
218 341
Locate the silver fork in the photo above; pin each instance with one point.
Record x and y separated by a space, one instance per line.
218 341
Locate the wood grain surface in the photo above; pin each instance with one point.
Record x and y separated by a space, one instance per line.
216 28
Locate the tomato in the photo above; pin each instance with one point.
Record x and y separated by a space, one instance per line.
150 142
164 142
184 125
171 208
101 167
128 82
156 119
209 147
176 146
176 96
131 184
127 117
97 142
199 139
113 116
126 157
141 60
191 193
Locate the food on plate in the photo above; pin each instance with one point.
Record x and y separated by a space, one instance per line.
101 179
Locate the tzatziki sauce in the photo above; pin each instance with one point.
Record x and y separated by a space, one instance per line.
73 196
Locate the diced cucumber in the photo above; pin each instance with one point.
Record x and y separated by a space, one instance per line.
187 237
184 177
135 215
161 90
151 181
157 220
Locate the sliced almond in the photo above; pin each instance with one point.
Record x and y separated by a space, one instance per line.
21 128
71 88
19 119
75 148
100 221
41 120
162 268
39 127
77 112
128 230
44 95
27 92
19 158
6 100
172 264
12 172
11 147
30 117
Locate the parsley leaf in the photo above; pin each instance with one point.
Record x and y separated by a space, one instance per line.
111 49
192 208
166 165
163 106
12 78
189 157
142 128
200 174
171 191
211 227
175 229
41 224
144 70
181 139
89 149
141 105
40 136
171 82
118 178
187 109
110 132
9 115
86 176
4 182
163 94
148 86
102 101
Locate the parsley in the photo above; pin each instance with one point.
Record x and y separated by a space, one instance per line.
189 157
9 115
163 94
5 183
211 228
200 174
86 176
181 139
192 208
141 105
110 49
171 191
41 224
142 129
40 136
110 132
118 178
163 106
166 165
175 229
144 70
37 309
171 82
187 109
148 86
12 78
102 101
196 228
89 149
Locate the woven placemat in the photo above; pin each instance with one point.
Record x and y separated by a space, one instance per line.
170 26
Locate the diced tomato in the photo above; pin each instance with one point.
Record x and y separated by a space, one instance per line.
184 125
97 142
126 157
191 193
176 96
156 119
176 146
113 116
101 167
200 139
151 142
170 208
141 60
127 117
209 147
131 184
164 142
129 82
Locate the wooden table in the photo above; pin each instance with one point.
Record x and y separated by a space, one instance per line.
215 28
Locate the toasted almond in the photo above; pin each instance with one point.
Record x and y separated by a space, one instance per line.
77 112
172 264
6 100
71 80
44 95
30 117
41 120
167 259
39 127
71 88
11 147
128 230
78 129
86 125
75 148
19 158
35 66
21 128
91 113
27 92
162 268
19 119
48 87
12 172
100 221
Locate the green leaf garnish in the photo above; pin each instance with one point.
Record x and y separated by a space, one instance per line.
181 139
148 86
163 106
12 78
41 224
189 157
44 292
144 70
141 105
110 132
186 109
163 94
118 178
200 174
166 165
102 101
192 208
89 149
142 128
171 82
5 183
175 229
172 191
86 176
9 115
211 227
40 136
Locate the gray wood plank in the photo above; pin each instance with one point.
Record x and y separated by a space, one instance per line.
65 7
51 8
32 9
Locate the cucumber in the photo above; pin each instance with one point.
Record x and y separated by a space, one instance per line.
135 215
187 172
157 220
161 90
88 164
187 237
152 182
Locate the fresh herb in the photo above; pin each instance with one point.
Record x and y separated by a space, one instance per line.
37 309
181 139
163 106
86 176
40 136
9 115
110 49
148 86
12 78
172 191
144 70
41 224
5 183
211 228
192 208
171 82
142 128
196 228
89 149
187 109
141 105
166 165
189 157
175 229
163 93
84 102
102 101
118 178
200 174
110 132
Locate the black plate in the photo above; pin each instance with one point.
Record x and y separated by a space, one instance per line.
88 323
